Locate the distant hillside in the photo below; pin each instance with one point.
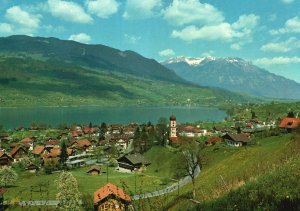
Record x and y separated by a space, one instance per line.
28 80
234 74
93 56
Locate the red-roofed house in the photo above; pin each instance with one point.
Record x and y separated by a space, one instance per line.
83 144
28 141
289 123
110 197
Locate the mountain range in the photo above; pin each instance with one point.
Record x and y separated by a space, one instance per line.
37 71
234 74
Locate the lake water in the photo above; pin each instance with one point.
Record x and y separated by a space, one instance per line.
17 117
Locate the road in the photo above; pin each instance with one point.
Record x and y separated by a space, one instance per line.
166 190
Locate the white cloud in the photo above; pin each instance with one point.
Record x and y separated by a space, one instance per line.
81 37
182 12
166 52
277 60
216 32
137 9
102 8
6 28
132 39
291 26
22 18
240 32
287 1
236 46
285 46
69 11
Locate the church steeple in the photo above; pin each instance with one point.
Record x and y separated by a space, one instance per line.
173 127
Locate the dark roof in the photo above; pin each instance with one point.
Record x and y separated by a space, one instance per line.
94 168
16 149
172 118
237 137
136 159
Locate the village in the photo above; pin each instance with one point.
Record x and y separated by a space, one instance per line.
42 151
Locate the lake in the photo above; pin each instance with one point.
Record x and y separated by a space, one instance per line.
17 117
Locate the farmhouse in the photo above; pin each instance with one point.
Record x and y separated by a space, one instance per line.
18 153
111 197
236 140
5 159
133 161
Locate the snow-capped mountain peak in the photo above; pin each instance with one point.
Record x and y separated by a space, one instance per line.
189 60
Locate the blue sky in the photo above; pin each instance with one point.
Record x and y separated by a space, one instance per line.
265 32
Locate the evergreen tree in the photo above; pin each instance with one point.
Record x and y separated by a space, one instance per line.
144 139
137 140
162 131
64 154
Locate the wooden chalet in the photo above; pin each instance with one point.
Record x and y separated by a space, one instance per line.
94 170
82 145
111 198
133 161
5 159
31 167
236 140
18 153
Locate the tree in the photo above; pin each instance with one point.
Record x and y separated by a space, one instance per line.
137 140
68 195
291 114
98 153
64 154
7 175
144 139
190 160
162 131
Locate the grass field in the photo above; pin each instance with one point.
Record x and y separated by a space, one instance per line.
229 168
31 186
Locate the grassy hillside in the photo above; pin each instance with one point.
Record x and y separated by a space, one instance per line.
227 168
32 80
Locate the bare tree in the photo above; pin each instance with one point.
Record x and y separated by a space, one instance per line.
190 160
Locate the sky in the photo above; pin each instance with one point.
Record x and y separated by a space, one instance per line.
264 32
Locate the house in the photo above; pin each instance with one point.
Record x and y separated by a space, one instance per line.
5 159
38 150
133 161
116 128
18 153
31 168
110 197
84 145
289 123
212 140
94 170
51 143
121 140
28 141
236 140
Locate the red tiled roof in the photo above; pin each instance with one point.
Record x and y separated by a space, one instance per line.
26 140
110 189
289 123
84 142
52 142
213 140
3 153
38 149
